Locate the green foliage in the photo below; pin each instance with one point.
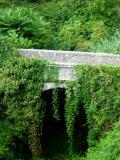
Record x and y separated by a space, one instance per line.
22 109
109 147
89 22
26 23
73 25
16 41
71 111
7 51
68 25
78 36
96 10
72 33
56 12
108 45
98 88
77 157
18 19
55 104
6 139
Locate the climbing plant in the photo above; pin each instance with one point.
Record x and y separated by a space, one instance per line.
55 103
97 87
21 108
109 143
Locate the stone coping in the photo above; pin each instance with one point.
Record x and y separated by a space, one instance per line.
72 57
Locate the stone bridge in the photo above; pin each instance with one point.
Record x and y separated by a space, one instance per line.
66 60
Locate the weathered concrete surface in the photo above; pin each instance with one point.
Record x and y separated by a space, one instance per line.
73 57
66 60
48 86
66 71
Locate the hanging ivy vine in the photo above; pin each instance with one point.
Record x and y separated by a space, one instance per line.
55 104
21 85
98 88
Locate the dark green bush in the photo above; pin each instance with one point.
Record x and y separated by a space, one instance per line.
21 111
56 12
96 10
16 41
21 108
6 140
7 50
26 23
73 25
89 22
109 147
78 36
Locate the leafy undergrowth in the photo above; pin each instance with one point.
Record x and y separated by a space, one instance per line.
73 25
110 45
108 148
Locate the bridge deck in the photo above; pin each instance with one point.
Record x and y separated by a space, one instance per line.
72 57
66 60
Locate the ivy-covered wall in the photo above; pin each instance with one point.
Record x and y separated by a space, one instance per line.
98 88
22 109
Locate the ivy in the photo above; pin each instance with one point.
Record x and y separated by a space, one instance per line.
22 110
55 104
21 85
97 87
71 110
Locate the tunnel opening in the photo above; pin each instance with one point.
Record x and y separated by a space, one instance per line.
54 137
80 143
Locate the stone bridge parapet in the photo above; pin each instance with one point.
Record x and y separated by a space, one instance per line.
66 60
73 57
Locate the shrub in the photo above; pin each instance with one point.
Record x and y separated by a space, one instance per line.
108 45
109 147
21 111
7 50
96 10
72 32
56 12
78 35
6 140
16 41
24 111
27 24
89 22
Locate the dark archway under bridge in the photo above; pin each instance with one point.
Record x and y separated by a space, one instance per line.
54 136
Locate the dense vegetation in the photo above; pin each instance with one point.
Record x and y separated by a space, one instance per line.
90 113
98 89
67 25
